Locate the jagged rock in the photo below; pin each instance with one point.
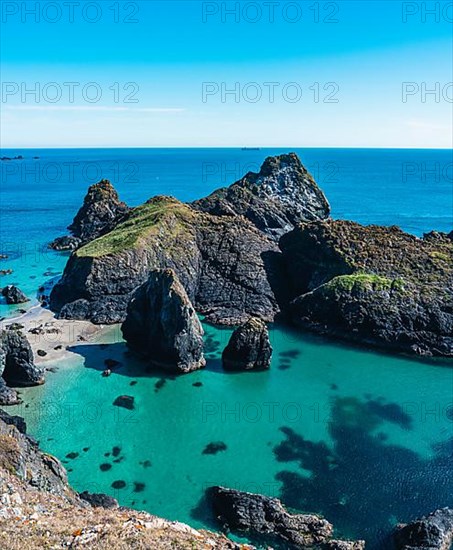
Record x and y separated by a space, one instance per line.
162 325
99 500
8 396
282 194
16 360
17 421
433 532
65 243
228 268
266 518
249 347
14 295
20 454
100 212
373 285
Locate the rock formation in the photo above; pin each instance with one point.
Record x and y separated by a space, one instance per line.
433 532
374 285
266 520
16 366
249 347
282 194
13 295
100 212
228 268
40 510
162 325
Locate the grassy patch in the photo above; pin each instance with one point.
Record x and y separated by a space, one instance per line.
364 281
144 221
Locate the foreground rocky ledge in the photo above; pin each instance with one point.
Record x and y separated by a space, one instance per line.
38 509
433 532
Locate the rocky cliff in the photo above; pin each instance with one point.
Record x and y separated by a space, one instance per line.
226 265
275 199
375 285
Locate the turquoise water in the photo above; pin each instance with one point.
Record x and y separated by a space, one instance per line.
363 438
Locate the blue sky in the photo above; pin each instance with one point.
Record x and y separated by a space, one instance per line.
337 71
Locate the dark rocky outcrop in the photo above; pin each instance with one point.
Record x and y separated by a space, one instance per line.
17 366
100 212
13 295
374 285
275 199
228 268
249 347
433 532
99 500
162 325
343 545
19 454
125 401
66 243
267 521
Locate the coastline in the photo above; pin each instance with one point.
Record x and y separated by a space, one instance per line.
50 337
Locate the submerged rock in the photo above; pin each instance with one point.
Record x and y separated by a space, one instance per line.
433 532
374 285
162 325
17 366
125 401
275 199
14 295
249 347
266 518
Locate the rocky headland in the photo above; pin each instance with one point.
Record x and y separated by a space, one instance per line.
262 247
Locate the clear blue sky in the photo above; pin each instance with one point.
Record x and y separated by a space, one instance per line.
360 51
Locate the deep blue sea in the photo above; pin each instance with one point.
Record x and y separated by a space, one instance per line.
361 437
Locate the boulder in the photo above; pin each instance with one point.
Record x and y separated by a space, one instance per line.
13 295
17 366
275 199
162 324
249 347
125 401
66 243
432 532
265 518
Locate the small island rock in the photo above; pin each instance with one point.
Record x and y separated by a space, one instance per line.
13 295
249 347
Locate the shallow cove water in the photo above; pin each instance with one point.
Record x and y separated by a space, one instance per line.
364 438
360 437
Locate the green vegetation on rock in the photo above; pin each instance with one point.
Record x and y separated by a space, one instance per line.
364 281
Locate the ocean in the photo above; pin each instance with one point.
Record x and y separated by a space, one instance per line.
363 438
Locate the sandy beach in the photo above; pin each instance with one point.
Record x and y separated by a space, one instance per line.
50 337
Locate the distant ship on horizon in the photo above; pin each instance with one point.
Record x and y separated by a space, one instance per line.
251 148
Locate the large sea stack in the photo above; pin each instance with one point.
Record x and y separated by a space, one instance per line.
249 347
161 324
